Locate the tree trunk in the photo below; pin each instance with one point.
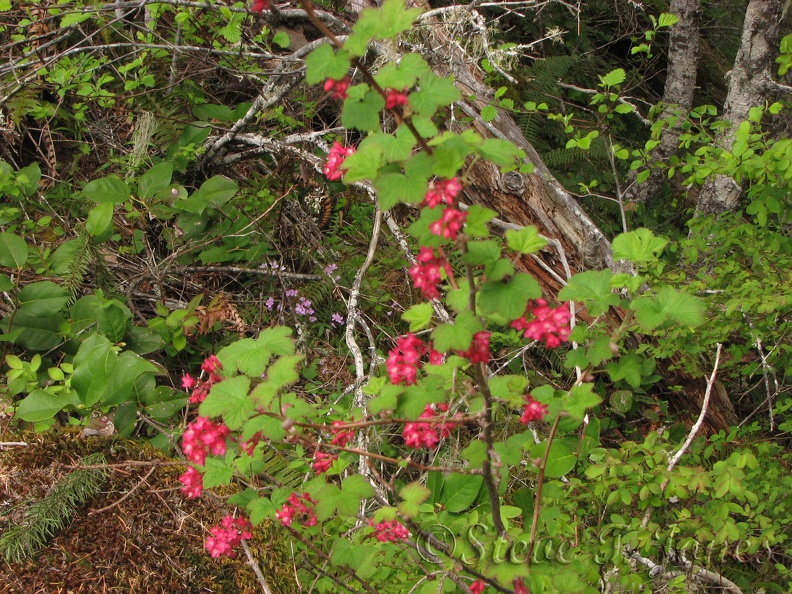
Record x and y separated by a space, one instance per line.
750 82
680 86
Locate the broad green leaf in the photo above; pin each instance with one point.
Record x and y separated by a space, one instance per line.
129 375
94 364
107 189
638 246
42 298
581 398
29 177
155 180
278 340
362 112
284 371
393 188
396 147
404 74
474 453
628 368
613 78
561 460
667 20
271 428
323 63
435 92
6 284
363 164
380 23
593 288
450 156
281 39
526 241
477 218
509 299
456 336
501 152
419 316
40 405
110 317
668 305
35 332
245 355
99 223
216 472
412 495
621 401
460 491
13 250
481 253
229 399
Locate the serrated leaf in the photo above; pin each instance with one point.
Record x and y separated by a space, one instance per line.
246 355
271 428
499 151
593 288
667 305
412 496
509 299
404 74
526 241
477 218
363 164
363 113
450 156
380 23
613 78
284 371
475 453
323 63
281 39
419 316
667 20
489 113
435 92
229 399
581 398
638 246
458 335
393 188
216 472
278 340
482 253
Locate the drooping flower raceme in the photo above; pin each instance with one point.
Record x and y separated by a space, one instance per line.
260 6
442 191
449 224
203 436
404 360
394 98
426 272
533 410
323 461
549 324
479 351
390 531
341 437
227 536
298 507
477 587
417 435
335 160
337 88
193 483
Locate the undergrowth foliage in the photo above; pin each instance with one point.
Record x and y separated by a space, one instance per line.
442 469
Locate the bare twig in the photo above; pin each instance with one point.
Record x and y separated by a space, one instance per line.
126 495
256 569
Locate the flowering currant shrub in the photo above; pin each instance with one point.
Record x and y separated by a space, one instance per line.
432 438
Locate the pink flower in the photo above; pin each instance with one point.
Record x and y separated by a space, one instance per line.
533 411
338 88
479 351
390 531
341 437
300 507
333 168
203 436
436 357
426 272
548 323
442 191
227 536
449 224
323 462
394 98
477 587
211 365
193 483
519 587
260 6
404 360
199 393
188 381
417 435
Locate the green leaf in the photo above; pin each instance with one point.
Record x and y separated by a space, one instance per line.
668 305
638 246
246 355
623 108
284 371
93 368
107 189
667 20
526 241
323 63
362 110
42 298
419 316
404 74
450 156
477 219
481 253
269 427
6 284
593 289
581 398
35 332
363 164
489 113
216 472
501 152
155 180
458 335
412 495
229 399
281 39
621 401
99 223
613 78
561 460
380 23
13 250
215 191
393 188
278 340
509 299
31 173
435 92
40 405
474 453
131 373
460 491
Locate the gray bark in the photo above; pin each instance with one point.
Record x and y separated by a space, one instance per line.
750 82
680 86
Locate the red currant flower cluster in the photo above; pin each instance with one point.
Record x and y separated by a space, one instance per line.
341 437
442 191
533 411
548 323
333 168
323 462
404 361
193 483
300 507
227 536
392 531
479 351
520 587
337 88
426 272
260 6
449 224
477 587
203 436
394 98
250 445
200 387
428 435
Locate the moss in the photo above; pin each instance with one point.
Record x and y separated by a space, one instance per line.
151 541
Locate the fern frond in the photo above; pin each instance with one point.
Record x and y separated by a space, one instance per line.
46 517
80 254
